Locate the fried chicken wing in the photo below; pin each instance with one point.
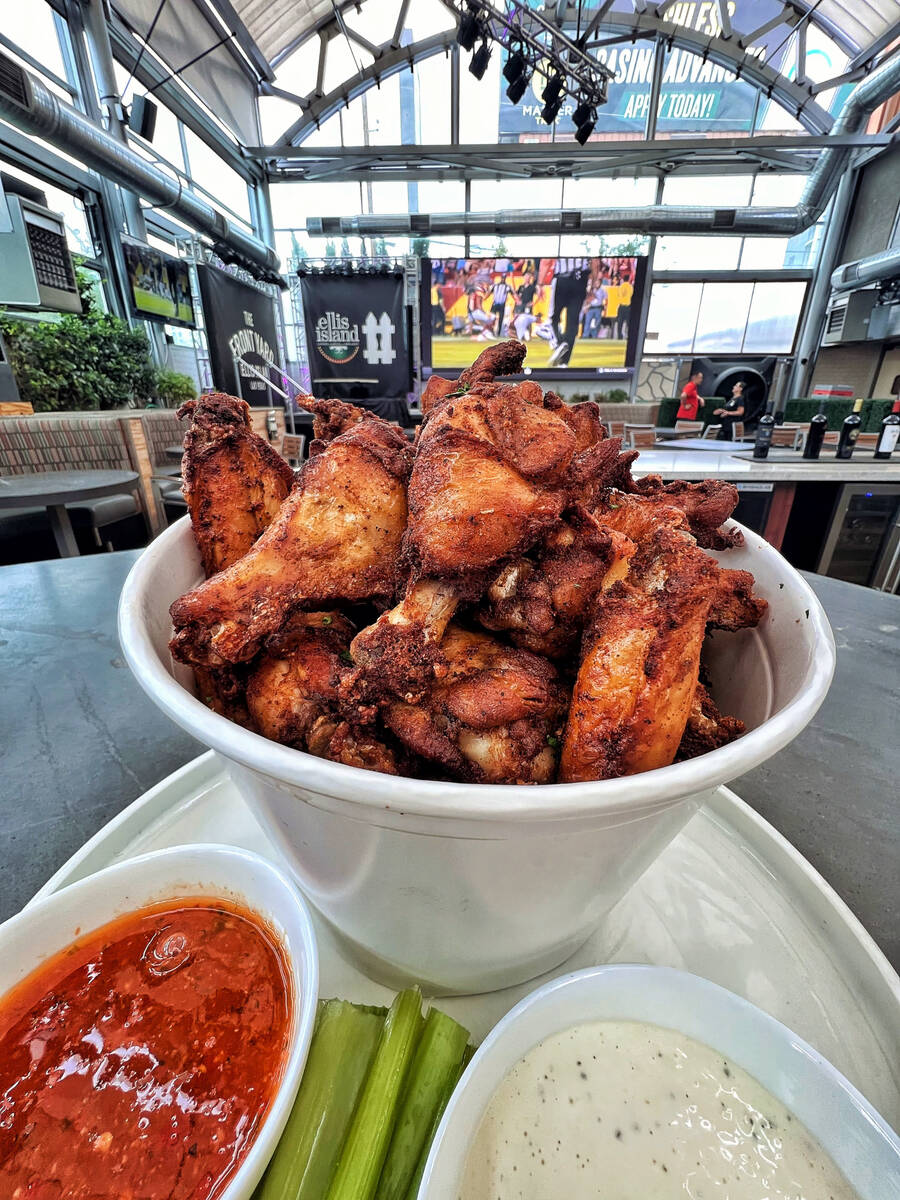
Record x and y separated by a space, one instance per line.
706 505
640 663
336 539
293 695
542 602
734 606
234 482
493 718
707 729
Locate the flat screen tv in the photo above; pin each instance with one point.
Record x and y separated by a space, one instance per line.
160 285
577 314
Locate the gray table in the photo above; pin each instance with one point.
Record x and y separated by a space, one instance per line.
176 450
81 740
700 443
53 490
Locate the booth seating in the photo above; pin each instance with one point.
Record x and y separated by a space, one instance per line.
72 441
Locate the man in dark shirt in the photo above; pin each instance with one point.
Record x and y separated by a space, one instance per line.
569 291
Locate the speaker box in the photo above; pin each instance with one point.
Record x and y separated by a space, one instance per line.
142 117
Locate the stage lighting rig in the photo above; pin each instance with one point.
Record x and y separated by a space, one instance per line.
480 60
535 46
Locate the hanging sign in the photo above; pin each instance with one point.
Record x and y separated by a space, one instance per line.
356 335
240 324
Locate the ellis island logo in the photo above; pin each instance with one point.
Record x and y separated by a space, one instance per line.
336 339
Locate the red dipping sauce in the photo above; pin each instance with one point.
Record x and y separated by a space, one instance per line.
140 1061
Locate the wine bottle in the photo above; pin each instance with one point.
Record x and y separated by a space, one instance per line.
764 432
849 431
816 435
890 432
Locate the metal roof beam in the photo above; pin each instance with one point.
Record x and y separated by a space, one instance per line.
229 16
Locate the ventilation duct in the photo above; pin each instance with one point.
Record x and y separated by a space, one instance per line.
35 109
658 218
878 268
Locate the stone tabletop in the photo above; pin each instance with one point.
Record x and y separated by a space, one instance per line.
81 740
62 487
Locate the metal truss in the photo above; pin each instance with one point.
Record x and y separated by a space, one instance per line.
558 160
731 49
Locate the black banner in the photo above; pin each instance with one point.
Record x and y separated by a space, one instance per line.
356 336
240 323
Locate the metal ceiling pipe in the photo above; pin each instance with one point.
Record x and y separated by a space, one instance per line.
655 218
877 268
44 114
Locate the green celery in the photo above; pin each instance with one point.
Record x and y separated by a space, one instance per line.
434 1068
367 1142
413 1190
340 1055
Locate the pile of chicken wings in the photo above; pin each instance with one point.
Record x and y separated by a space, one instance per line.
499 602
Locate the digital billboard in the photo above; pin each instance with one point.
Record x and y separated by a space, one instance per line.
575 313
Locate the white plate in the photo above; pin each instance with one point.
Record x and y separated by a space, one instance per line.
729 900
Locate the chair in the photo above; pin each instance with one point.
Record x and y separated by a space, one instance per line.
711 431
293 447
867 441
639 436
788 435
616 428
737 431
688 429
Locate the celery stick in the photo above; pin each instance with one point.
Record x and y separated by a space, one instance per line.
370 1132
413 1190
340 1055
434 1067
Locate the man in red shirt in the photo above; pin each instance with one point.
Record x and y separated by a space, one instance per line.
691 400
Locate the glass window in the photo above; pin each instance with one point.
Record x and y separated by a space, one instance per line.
437 197
387 197
709 253
292 203
702 97
773 191
275 116
672 318
343 60
494 195
716 191
479 102
214 174
763 253
774 313
31 26
608 193
722 317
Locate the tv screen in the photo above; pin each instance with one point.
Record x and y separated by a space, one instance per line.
575 314
160 285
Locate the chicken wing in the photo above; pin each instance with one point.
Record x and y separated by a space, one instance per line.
494 717
292 694
706 505
707 728
336 539
640 663
234 482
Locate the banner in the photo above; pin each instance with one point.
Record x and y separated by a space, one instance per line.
240 323
356 335
696 96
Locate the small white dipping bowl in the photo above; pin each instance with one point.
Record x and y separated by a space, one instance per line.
470 887
221 873
849 1130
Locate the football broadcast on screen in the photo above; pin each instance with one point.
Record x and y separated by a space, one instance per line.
572 312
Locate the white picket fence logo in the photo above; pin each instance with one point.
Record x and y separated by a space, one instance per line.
379 347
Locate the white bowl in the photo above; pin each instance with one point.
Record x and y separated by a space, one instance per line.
468 887
856 1138
51 924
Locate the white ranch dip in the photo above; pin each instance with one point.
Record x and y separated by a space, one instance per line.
627 1111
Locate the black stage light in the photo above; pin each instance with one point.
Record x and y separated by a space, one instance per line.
585 129
517 89
554 89
515 66
480 60
467 33
582 113
550 111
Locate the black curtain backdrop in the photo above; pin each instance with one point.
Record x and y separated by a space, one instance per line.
356 336
240 322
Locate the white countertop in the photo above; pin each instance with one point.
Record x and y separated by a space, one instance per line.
704 464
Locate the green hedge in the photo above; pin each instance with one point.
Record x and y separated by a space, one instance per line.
801 410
